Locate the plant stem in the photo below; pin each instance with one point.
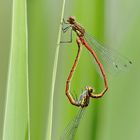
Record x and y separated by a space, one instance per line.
50 116
27 75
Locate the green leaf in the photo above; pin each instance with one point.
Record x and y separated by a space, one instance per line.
50 114
16 120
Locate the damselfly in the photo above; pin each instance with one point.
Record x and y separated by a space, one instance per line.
71 128
117 61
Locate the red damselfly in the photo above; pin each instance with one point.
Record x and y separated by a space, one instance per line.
117 61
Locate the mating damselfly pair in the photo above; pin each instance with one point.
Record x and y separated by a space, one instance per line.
107 55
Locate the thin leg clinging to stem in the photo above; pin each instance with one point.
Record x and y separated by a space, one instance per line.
68 94
101 68
69 41
65 29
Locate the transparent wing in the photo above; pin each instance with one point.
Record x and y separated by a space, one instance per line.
109 56
71 128
66 34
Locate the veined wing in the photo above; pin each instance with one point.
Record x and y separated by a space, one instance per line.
71 128
115 60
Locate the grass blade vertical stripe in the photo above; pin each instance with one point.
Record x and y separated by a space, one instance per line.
27 73
50 116
17 97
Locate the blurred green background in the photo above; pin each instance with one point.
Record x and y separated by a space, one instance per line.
116 24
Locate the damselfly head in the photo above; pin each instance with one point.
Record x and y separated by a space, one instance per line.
71 20
89 89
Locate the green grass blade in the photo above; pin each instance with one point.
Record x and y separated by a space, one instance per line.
50 114
16 120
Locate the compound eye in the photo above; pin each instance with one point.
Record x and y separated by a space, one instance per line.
90 90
